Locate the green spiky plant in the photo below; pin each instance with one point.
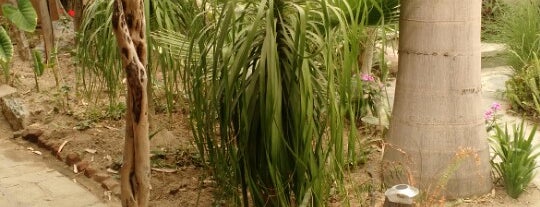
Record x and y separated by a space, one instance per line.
269 88
97 54
38 66
518 157
518 26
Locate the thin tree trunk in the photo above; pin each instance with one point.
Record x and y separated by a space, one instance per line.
437 138
23 48
149 84
129 29
366 58
78 7
46 28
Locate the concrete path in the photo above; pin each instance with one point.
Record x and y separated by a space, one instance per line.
26 181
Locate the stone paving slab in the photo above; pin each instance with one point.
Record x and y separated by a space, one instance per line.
492 49
26 181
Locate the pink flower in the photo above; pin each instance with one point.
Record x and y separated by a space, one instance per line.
71 13
488 115
367 77
495 106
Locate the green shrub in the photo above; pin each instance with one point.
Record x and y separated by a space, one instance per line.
269 86
491 12
519 29
517 154
522 90
366 93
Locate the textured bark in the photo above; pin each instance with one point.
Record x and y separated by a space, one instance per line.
129 29
437 139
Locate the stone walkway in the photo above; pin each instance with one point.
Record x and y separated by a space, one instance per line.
27 181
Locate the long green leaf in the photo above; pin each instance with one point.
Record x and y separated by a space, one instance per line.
6 48
23 16
39 67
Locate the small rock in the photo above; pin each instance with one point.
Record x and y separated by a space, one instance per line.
50 144
31 134
117 190
90 172
57 133
99 177
14 112
109 183
164 139
17 134
42 141
72 158
54 146
82 165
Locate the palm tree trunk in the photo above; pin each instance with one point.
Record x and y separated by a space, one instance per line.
129 28
437 139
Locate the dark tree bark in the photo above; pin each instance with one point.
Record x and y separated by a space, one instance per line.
129 28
